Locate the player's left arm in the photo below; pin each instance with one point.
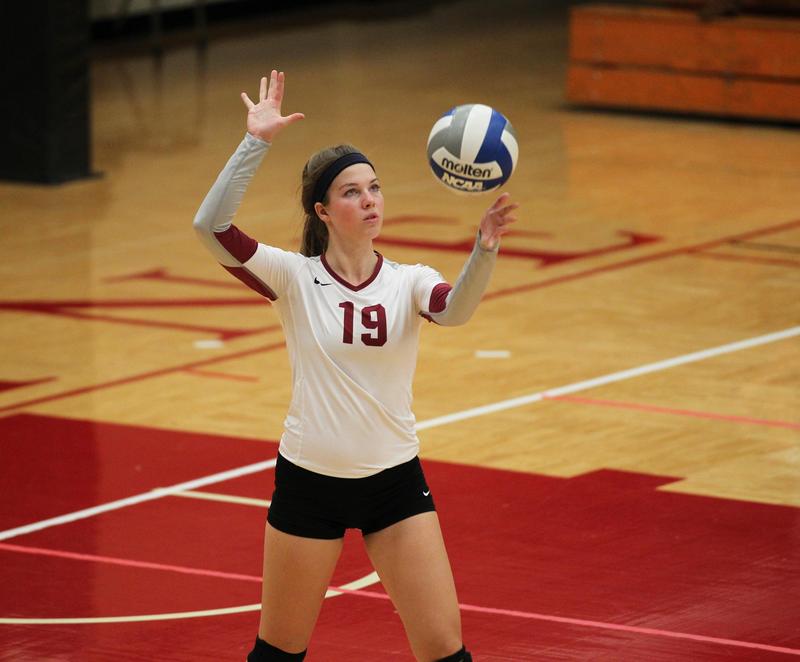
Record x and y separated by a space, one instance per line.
454 306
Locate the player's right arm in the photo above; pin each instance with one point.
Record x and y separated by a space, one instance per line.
213 222
437 301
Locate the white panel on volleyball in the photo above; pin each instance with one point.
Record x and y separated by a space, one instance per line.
475 131
441 123
511 145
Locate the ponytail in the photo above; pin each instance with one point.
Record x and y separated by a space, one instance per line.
315 236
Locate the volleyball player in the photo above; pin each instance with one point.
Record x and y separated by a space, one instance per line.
348 453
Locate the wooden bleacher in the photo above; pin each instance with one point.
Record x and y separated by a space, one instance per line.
679 59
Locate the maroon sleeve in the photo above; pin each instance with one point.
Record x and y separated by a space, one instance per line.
237 243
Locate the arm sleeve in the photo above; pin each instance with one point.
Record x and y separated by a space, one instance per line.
263 268
451 306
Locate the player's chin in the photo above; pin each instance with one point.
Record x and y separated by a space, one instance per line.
373 227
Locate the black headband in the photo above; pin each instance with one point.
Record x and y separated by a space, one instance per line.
329 174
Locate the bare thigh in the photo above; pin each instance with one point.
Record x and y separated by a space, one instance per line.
412 562
297 572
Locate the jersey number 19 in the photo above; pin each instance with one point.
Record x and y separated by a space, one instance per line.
372 317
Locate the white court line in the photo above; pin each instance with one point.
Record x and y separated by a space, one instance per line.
367 580
227 498
138 498
423 425
610 379
135 618
363 582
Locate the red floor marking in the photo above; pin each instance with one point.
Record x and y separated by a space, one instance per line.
753 245
748 258
421 219
639 260
449 220
73 309
130 563
543 257
164 276
222 375
10 385
142 376
677 412
490 295
220 333
595 624
53 307
383 596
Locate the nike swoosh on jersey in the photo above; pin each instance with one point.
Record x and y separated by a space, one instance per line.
316 282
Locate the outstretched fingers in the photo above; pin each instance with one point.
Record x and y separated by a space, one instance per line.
294 117
503 226
497 220
503 215
269 89
507 209
501 200
262 89
276 84
264 119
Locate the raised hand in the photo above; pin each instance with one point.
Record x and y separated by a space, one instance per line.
264 119
496 220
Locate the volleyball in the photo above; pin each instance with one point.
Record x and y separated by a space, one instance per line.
472 148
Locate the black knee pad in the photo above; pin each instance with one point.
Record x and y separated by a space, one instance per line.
264 652
459 656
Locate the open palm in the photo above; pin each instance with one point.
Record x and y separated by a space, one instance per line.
264 119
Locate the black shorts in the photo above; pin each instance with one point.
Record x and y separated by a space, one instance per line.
313 505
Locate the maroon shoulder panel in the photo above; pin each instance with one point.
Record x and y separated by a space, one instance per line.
237 243
439 297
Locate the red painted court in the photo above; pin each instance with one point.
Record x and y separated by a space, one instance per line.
600 566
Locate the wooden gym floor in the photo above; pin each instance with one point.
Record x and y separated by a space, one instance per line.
613 439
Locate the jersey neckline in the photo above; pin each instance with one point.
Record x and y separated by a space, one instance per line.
350 286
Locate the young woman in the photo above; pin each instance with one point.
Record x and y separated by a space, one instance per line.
348 454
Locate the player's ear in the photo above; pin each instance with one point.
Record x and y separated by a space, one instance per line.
321 212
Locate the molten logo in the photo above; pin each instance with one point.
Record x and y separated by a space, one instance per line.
468 169
464 175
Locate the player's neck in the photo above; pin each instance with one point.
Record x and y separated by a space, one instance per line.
355 263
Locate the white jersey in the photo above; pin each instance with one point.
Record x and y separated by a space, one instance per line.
353 348
353 351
